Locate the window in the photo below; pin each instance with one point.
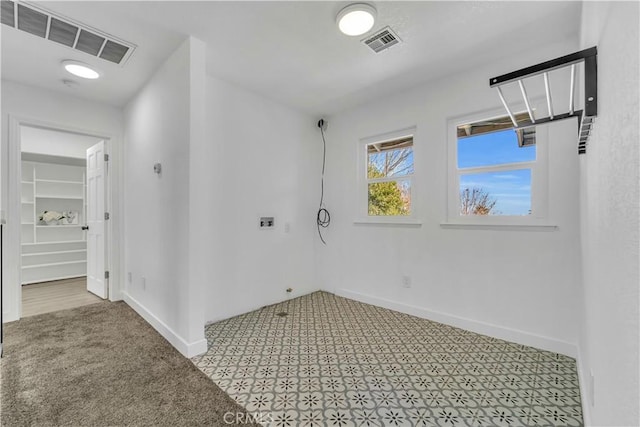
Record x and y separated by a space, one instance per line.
388 170
498 173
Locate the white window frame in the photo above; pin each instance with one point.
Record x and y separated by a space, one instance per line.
539 177
362 215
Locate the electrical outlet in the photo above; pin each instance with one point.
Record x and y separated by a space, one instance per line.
287 227
143 283
406 281
267 222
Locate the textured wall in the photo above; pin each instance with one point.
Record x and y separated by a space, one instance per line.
517 284
610 220
159 258
264 160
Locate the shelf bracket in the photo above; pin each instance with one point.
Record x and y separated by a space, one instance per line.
586 116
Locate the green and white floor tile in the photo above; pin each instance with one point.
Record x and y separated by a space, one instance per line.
332 361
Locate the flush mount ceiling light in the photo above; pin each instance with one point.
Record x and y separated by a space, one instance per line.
80 69
356 19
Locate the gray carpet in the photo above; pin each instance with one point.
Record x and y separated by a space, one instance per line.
102 365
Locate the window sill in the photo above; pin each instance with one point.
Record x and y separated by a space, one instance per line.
504 227
392 222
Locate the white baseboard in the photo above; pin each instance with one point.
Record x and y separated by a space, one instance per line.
583 380
116 296
187 349
9 316
507 334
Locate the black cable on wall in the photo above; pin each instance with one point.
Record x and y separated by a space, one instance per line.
323 218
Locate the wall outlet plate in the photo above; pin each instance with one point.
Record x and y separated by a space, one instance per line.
267 222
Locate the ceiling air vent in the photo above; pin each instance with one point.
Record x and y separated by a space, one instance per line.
89 43
32 21
63 33
382 40
43 23
113 52
8 17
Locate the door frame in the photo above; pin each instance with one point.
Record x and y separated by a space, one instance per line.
12 252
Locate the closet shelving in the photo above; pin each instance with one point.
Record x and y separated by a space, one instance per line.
52 251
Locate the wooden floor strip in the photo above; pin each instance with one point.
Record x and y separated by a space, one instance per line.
45 297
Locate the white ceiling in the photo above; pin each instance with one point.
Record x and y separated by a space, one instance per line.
291 51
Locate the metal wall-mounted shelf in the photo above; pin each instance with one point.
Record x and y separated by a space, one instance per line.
585 116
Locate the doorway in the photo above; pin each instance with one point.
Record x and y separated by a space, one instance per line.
62 239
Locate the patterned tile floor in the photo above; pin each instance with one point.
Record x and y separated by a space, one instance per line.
336 362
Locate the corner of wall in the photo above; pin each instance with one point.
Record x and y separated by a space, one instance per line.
583 380
186 348
610 244
165 123
500 332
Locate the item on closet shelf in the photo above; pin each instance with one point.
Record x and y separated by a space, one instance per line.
51 217
70 218
53 246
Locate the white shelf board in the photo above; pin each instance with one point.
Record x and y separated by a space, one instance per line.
56 181
27 203
56 252
27 182
54 243
59 226
25 267
27 223
39 196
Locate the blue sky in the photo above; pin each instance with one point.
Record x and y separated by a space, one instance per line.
511 189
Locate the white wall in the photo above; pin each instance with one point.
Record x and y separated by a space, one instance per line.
192 233
161 127
262 159
70 113
55 143
519 285
611 221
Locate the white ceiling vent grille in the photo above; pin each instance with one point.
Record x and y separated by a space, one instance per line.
42 23
8 15
382 40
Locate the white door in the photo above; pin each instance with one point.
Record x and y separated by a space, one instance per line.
96 173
